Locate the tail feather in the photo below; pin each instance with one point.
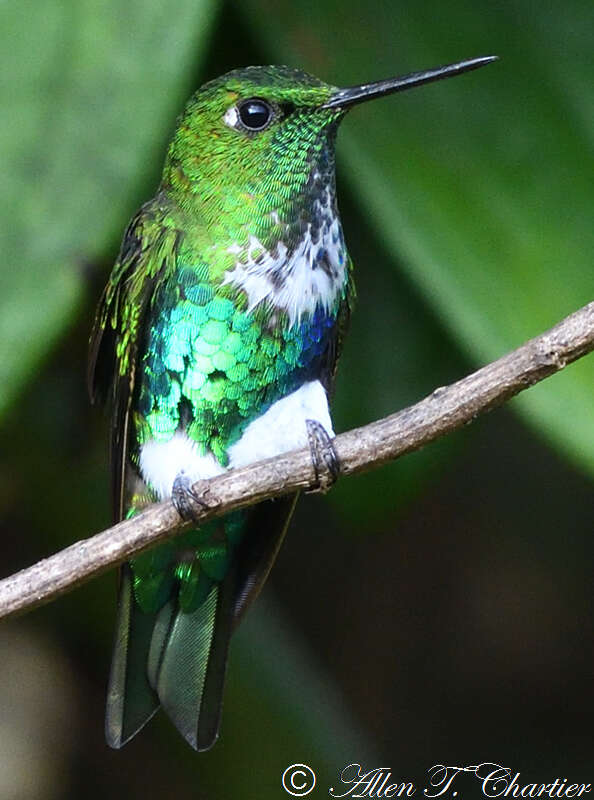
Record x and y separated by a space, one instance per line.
192 671
161 632
214 682
131 701
173 658
177 658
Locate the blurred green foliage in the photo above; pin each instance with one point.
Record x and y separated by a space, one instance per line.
457 623
92 88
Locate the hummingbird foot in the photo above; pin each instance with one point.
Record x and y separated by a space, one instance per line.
323 456
188 503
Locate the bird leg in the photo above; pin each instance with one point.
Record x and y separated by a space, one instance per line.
188 503
323 456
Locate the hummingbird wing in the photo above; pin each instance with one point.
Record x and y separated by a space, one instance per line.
131 700
146 256
262 541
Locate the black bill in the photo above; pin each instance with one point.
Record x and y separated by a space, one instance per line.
367 91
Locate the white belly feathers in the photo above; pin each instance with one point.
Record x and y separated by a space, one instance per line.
278 430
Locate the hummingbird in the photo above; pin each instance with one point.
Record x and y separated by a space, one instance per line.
215 344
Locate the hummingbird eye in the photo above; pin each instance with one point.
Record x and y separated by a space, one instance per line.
255 114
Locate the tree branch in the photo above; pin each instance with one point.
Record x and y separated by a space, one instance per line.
445 410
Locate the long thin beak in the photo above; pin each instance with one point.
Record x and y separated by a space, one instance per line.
358 94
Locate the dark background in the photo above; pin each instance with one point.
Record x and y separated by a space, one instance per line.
436 611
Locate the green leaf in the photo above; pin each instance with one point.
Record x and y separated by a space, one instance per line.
480 185
89 91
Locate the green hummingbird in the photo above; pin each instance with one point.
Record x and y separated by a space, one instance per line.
216 342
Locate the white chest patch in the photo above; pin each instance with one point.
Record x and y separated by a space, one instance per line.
282 427
311 275
162 462
278 430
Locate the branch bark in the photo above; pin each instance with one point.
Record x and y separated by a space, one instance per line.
445 410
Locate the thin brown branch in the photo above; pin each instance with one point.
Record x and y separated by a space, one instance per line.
445 410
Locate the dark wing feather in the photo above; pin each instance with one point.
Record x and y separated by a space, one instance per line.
148 251
147 254
264 535
105 381
131 700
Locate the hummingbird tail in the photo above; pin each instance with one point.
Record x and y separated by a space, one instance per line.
131 701
173 658
188 660
177 658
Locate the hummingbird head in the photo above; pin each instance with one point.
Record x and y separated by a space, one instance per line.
248 143
256 145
